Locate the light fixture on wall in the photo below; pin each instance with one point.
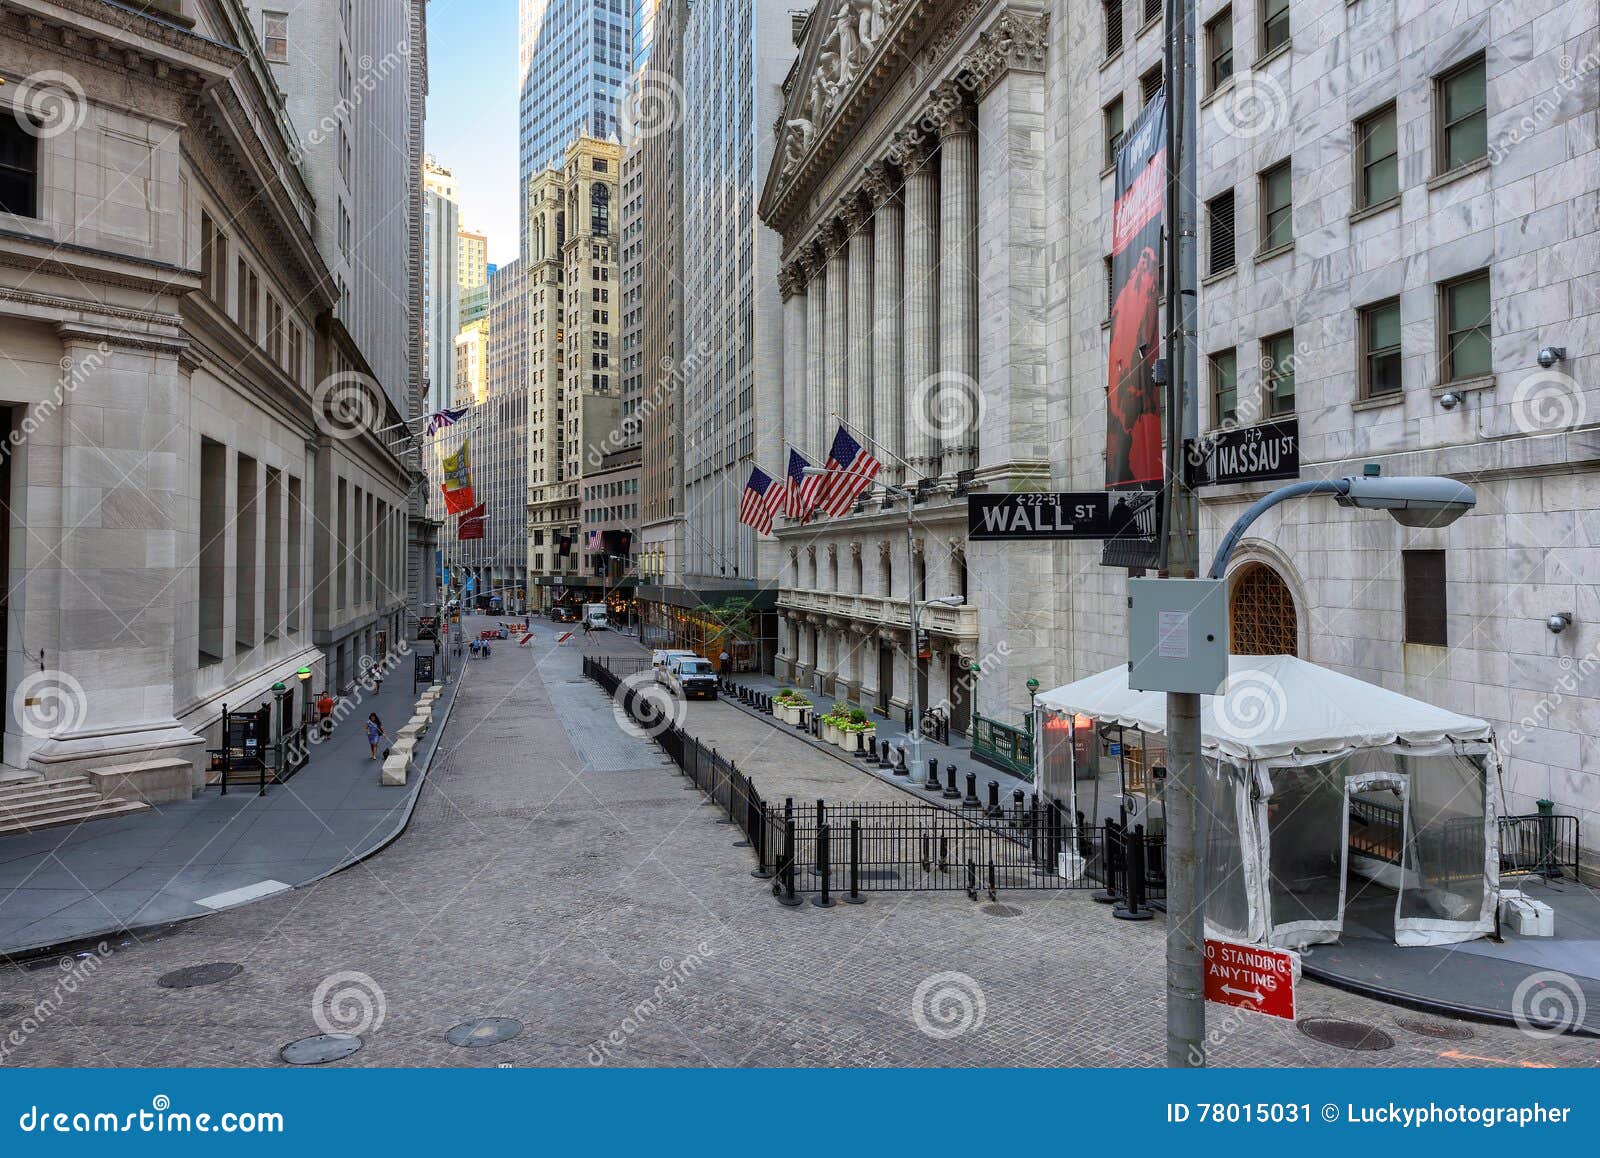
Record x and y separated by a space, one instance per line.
1558 622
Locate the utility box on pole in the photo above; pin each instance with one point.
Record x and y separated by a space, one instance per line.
1177 635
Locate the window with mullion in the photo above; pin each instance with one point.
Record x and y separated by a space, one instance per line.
1466 323
1219 49
19 168
1378 154
1274 25
1380 348
1277 373
1221 244
1224 387
1277 207
1463 111
1113 130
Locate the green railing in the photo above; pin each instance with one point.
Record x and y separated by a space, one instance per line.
1003 746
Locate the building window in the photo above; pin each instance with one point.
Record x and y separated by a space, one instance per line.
1220 241
1219 49
1461 110
1113 11
1274 26
1152 10
19 169
1464 306
599 210
1277 372
1425 598
1113 131
1149 85
275 27
1277 207
1380 349
1378 156
1224 387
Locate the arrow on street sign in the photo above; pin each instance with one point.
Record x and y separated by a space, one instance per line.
1250 977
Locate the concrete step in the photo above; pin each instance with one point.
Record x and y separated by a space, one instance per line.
97 811
20 802
39 783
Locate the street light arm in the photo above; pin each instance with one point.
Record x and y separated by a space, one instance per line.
1266 503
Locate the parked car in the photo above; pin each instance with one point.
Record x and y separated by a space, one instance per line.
691 676
662 656
563 615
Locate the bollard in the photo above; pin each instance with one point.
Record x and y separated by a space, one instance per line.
1134 908
871 749
994 893
855 897
761 872
1112 855
824 899
900 768
971 800
784 886
951 792
885 761
1016 807
932 784
972 880
944 853
927 856
994 800
822 813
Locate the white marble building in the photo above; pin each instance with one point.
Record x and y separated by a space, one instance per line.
167 317
1436 227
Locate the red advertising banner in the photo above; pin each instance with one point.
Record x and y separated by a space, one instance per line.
1133 400
1250 977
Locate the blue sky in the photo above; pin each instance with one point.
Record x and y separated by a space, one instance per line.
472 112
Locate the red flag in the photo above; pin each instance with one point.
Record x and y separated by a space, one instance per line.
472 522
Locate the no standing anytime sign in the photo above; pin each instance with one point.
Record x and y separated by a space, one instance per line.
1250 977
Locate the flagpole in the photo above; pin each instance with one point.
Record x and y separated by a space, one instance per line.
858 432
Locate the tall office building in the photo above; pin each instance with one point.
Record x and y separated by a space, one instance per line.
574 57
472 260
441 291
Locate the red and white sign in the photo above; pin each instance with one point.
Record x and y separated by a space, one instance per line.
1250 977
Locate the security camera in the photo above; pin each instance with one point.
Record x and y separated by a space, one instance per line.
1559 622
1449 400
1550 355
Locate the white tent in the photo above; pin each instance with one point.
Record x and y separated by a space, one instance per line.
1314 774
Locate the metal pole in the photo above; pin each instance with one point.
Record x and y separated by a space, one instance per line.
916 662
1186 1011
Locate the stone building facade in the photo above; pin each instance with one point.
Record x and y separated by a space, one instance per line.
188 520
1398 231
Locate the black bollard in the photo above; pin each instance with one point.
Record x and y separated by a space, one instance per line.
1016 807
824 899
951 792
855 897
994 800
1133 907
761 872
784 886
885 761
900 768
932 784
972 800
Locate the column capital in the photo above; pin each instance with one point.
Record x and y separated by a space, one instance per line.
791 280
810 259
910 149
880 184
832 236
855 211
1016 40
952 113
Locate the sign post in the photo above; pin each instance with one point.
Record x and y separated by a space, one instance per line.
1250 977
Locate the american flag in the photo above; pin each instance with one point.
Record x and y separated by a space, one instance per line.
803 490
761 501
440 419
850 471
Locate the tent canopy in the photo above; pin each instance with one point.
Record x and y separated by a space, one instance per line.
1276 706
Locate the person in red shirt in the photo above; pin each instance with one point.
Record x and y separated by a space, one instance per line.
325 712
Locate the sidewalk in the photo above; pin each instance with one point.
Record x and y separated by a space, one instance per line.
193 857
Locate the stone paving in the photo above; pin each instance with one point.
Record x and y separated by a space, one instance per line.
561 874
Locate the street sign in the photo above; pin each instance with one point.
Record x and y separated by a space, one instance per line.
1033 515
1250 977
1246 454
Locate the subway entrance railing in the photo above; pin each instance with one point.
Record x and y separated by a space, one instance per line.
845 851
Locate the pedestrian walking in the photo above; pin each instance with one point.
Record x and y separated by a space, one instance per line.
375 732
726 661
325 712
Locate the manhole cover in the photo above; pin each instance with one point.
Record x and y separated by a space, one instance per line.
483 1031
1440 1029
325 1047
1001 911
197 975
1345 1034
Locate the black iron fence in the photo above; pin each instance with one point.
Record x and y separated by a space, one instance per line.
1541 845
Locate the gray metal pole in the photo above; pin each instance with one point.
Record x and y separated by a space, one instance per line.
1186 1009
915 761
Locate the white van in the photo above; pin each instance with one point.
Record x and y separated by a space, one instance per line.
594 614
662 656
691 676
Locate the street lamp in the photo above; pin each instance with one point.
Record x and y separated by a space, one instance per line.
916 692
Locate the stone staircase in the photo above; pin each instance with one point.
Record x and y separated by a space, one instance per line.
29 802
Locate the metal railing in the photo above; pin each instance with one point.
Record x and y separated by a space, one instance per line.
1003 746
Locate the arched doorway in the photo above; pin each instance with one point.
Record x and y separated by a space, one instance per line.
1261 612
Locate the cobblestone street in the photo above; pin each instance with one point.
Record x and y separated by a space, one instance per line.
560 872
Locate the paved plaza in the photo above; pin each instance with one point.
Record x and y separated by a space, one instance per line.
559 872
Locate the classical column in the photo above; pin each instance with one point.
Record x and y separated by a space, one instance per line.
888 248
808 431
857 217
792 285
921 291
956 408
836 370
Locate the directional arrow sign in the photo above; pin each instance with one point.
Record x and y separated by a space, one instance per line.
1250 977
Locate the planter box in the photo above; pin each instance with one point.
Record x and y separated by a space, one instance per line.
830 734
